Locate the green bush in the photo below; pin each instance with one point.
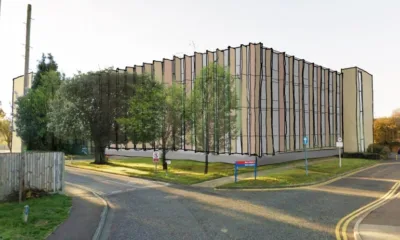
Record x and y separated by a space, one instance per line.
366 155
375 148
385 152
380 149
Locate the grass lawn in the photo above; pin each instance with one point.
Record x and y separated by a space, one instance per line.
317 172
46 213
180 171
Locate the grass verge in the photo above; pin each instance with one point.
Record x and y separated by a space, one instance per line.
185 172
180 171
296 176
46 213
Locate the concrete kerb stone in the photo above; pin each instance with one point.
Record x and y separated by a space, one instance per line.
103 215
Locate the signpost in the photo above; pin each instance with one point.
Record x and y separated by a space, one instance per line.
156 159
168 163
245 163
305 143
339 145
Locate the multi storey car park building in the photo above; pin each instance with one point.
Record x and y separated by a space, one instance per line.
281 100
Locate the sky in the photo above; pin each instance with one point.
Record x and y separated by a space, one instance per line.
91 34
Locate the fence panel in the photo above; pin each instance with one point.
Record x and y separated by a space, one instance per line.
43 170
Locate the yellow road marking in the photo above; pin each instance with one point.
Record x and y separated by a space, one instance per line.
392 192
347 219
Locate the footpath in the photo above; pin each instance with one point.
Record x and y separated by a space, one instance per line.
84 217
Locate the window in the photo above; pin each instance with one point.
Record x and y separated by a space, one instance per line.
338 108
193 76
275 102
183 81
360 113
323 129
263 104
306 108
316 109
296 105
227 97
248 96
287 104
331 130
238 58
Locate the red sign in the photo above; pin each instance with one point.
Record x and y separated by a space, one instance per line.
156 159
246 162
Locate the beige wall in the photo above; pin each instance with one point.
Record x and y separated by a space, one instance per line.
18 91
368 108
349 109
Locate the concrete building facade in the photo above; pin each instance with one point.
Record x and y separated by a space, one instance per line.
282 99
18 91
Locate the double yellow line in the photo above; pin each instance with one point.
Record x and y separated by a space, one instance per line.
341 227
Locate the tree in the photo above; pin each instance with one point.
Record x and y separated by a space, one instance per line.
5 131
46 64
210 110
396 117
385 130
86 107
31 117
154 115
5 128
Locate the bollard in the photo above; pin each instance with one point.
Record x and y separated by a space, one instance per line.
26 213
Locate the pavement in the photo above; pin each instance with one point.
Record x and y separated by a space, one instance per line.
143 209
84 216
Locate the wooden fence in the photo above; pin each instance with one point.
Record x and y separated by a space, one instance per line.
43 170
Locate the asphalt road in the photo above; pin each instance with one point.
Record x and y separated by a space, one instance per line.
141 209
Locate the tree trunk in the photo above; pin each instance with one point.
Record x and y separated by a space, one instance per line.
99 154
164 158
206 164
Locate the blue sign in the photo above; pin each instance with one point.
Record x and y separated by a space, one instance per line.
85 150
305 140
248 163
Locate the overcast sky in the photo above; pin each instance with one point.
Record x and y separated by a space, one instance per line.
92 34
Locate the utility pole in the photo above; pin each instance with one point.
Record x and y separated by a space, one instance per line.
26 87
27 48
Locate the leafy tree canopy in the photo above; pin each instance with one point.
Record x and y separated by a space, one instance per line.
31 116
87 106
211 110
46 64
155 115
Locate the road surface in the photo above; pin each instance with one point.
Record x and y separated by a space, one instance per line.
141 209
